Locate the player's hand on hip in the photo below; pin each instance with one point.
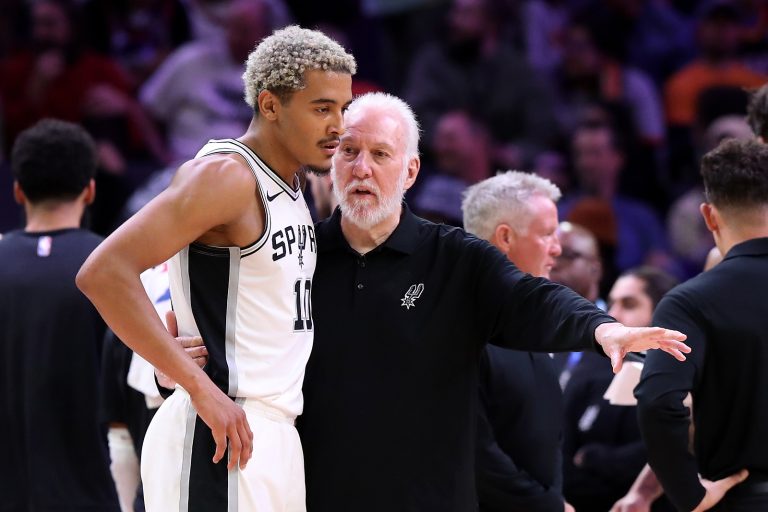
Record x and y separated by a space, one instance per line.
568 507
617 340
228 423
192 345
717 489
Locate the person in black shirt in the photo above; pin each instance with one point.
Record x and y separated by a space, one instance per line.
603 449
402 308
55 453
518 459
723 311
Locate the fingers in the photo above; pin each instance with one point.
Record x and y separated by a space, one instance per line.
189 342
199 355
170 323
674 353
679 345
235 447
220 439
247 437
616 360
671 334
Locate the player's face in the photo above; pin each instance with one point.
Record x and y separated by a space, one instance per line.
370 172
311 120
628 302
535 250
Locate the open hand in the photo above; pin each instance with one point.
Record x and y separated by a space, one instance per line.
617 340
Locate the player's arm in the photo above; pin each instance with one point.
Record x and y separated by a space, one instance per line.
663 417
203 195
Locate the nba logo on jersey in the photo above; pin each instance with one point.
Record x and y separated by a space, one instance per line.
44 244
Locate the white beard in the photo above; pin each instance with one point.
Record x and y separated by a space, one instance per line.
359 211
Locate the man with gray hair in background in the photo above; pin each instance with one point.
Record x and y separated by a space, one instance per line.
242 247
518 452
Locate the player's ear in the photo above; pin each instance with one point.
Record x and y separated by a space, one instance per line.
18 194
90 192
268 104
710 215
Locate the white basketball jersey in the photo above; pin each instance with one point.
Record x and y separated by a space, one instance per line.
252 305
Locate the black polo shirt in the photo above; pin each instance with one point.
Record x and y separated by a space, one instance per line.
724 312
391 386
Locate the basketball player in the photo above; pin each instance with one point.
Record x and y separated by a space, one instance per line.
243 254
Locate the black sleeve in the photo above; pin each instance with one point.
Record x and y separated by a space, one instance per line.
522 312
112 407
501 485
663 419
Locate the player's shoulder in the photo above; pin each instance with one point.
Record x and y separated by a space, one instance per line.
217 169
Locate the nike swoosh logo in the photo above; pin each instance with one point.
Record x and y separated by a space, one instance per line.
271 198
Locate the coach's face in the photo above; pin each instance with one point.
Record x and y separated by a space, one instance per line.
370 170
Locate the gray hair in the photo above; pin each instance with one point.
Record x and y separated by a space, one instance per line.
503 198
278 63
391 104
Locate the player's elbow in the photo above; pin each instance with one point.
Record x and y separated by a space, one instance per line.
91 276
660 408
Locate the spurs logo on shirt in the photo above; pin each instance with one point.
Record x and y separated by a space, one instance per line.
413 293
252 305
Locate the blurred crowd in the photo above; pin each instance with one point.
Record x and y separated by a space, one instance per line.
612 100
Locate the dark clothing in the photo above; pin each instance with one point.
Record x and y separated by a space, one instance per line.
519 433
55 454
391 386
606 435
724 313
121 403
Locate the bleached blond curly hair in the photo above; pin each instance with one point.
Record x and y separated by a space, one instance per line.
279 61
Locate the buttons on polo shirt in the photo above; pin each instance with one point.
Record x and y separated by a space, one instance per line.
359 286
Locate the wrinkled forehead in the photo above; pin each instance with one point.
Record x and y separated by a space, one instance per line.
374 126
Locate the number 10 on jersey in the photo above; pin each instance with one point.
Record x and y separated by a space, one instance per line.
302 289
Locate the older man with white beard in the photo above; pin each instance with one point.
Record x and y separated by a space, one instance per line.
402 308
